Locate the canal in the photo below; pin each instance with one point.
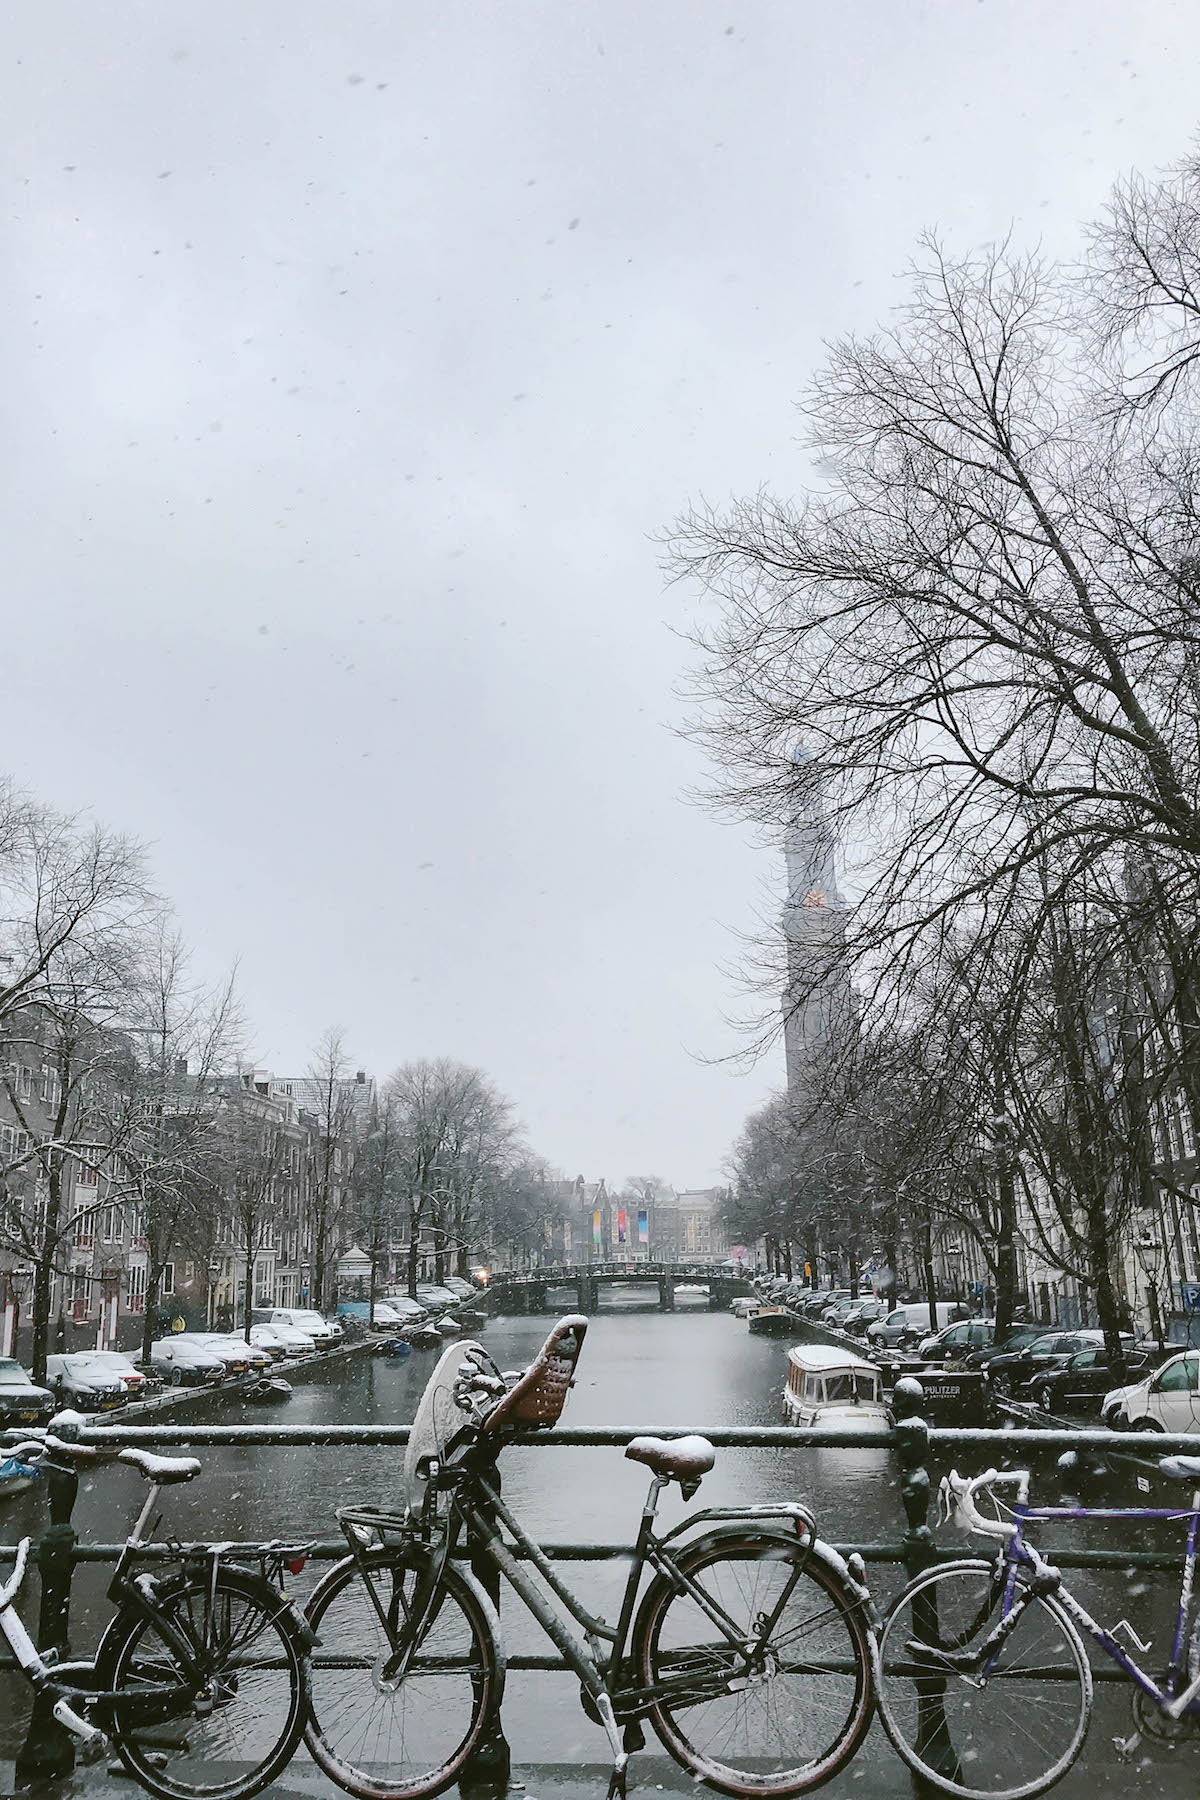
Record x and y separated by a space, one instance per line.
639 1367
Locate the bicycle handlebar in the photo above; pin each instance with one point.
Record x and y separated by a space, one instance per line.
959 1491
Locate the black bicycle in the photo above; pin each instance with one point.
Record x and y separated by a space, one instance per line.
201 1680
748 1651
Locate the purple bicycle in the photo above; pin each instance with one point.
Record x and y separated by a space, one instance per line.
982 1678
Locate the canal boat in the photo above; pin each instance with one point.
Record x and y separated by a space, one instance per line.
271 1390
832 1388
772 1321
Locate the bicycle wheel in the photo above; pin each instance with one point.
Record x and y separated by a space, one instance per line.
230 1732
1006 1726
783 1720
387 1738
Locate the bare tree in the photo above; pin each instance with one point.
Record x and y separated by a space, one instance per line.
253 1162
462 1162
170 1093
329 1095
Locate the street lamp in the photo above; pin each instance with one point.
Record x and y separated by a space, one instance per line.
1148 1250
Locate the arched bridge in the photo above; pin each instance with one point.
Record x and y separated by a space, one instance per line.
526 1291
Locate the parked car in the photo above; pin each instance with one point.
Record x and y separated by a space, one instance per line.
266 1337
1053 1350
1082 1384
461 1287
1016 1338
436 1299
294 1341
905 1326
239 1357
1167 1400
956 1342
82 1382
399 1312
184 1363
132 1379
326 1334
21 1401
862 1314
837 1314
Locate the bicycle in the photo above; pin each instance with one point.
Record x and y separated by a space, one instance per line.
982 1677
748 1651
201 1678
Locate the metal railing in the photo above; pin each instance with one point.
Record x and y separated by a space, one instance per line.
912 1440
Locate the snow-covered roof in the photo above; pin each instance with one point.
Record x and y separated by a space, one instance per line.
818 1359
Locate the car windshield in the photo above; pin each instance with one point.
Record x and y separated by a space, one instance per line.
10 1370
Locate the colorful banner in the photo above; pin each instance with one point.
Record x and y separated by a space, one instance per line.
643 1226
595 1231
621 1225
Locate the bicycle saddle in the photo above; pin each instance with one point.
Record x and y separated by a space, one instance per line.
1181 1468
675 1459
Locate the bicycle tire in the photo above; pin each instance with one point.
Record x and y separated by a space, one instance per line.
465 1632
744 1571
263 1716
973 1748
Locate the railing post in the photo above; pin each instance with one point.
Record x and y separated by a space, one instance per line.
920 1552
48 1753
487 1770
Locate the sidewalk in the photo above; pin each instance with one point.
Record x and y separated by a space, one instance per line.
875 1774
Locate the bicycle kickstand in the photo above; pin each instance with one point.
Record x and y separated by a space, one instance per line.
616 1781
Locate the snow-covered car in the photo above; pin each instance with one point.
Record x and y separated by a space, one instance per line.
184 1363
392 1313
81 1382
288 1340
326 1334
239 1357
131 1378
435 1298
22 1401
459 1286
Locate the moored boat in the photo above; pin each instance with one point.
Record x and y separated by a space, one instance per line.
772 1321
833 1388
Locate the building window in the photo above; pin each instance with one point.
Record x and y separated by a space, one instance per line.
88 1176
137 1288
166 1281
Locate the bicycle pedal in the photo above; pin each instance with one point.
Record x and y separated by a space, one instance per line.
1126 1748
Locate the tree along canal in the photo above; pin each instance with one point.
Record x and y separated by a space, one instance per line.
639 1367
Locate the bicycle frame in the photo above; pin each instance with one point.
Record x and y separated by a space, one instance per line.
1018 1555
478 1512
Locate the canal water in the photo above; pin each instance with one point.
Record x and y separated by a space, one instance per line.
638 1368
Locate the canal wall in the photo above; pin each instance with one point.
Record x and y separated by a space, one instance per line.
175 1401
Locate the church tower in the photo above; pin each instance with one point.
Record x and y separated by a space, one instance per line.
817 999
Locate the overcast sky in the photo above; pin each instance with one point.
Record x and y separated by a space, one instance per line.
351 358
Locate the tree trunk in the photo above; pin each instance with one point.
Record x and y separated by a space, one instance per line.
1006 1252
414 1233
930 1276
787 1257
